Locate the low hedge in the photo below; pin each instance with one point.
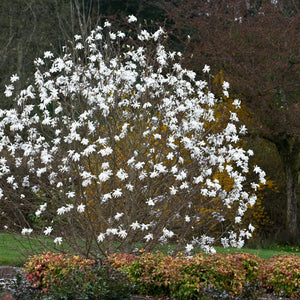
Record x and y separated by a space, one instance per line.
281 274
199 276
58 276
219 276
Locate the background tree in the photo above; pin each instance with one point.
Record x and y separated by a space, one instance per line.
30 27
256 43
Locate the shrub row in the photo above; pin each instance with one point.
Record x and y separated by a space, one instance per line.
58 276
220 276
236 275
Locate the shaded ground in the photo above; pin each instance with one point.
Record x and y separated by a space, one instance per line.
9 273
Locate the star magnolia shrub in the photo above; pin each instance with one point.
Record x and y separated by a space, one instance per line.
115 144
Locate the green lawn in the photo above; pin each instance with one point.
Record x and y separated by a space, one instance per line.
14 249
10 254
13 254
264 253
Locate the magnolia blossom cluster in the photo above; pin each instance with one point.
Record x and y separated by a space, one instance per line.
121 137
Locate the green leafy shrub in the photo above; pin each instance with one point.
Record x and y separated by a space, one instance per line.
281 274
219 276
22 290
186 277
58 276
41 270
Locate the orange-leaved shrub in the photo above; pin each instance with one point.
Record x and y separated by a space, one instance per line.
46 268
189 277
226 276
61 276
281 274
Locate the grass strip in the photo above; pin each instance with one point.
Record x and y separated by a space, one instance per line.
15 249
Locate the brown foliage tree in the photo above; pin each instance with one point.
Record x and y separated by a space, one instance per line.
256 43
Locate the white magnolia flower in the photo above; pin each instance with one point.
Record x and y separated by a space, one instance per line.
81 208
132 19
112 36
238 219
117 193
26 231
168 233
143 175
61 210
182 175
122 174
148 237
70 194
206 69
170 155
189 248
101 237
106 197
237 103
225 85
251 228
129 187
48 230
76 157
113 231
105 175
105 165
122 234
150 202
121 34
131 161
135 225
106 151
48 54
10 179
144 226
58 240
38 213
157 34
118 216
139 165
154 174
225 242
173 190
14 78
107 24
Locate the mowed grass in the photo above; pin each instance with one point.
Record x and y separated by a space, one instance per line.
15 249
263 253
10 254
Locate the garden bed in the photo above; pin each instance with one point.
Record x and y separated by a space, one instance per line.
8 276
156 276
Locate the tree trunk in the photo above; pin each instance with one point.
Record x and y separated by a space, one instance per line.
289 150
